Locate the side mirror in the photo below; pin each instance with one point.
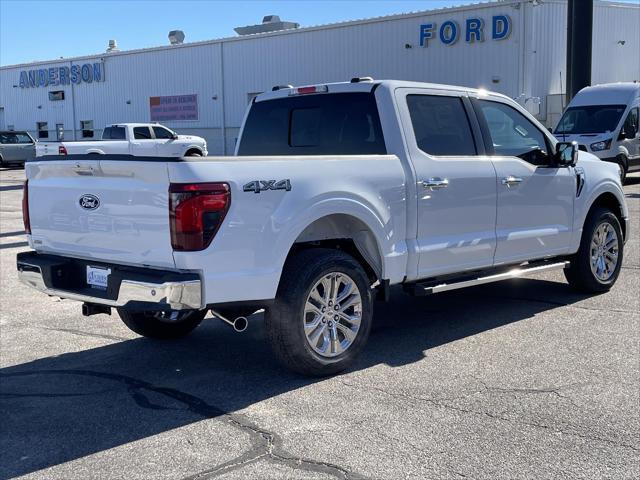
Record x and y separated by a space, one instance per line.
566 154
174 136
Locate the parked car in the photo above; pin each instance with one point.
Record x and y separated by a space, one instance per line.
140 139
16 147
338 191
603 119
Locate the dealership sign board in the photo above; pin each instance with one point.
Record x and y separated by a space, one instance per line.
473 30
173 108
54 76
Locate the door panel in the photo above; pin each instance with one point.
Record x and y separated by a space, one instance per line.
535 200
456 191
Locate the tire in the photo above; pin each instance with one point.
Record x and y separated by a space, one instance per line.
286 318
153 325
580 274
624 168
193 154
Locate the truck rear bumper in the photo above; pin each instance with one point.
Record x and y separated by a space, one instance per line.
127 287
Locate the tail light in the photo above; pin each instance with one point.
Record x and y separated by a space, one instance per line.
196 211
25 208
62 150
309 89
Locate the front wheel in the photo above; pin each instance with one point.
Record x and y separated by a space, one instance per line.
321 317
596 266
165 325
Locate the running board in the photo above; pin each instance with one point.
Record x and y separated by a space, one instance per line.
421 289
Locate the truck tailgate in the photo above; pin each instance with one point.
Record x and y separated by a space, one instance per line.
109 210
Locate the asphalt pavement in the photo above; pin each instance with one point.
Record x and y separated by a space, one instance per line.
523 379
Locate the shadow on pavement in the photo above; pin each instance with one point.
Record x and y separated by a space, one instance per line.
62 408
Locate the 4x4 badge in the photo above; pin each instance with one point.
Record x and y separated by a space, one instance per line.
258 186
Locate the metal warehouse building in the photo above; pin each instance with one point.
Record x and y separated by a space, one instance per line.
515 47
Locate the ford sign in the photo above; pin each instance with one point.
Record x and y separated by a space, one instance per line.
89 202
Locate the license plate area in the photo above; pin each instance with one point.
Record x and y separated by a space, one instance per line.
98 277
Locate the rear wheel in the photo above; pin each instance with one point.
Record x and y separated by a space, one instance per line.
596 266
170 324
321 318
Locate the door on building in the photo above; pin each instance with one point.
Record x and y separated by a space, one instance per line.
60 131
535 198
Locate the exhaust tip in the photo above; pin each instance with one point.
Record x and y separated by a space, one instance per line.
240 324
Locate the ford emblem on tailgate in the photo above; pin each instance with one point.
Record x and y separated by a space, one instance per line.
89 202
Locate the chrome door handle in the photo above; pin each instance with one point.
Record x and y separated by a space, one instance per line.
436 183
83 169
511 180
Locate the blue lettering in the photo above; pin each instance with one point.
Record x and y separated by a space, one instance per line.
52 76
33 78
87 73
24 79
97 72
42 78
426 33
75 74
64 75
449 32
474 30
501 27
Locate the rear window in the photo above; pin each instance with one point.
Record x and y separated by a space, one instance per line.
114 133
322 124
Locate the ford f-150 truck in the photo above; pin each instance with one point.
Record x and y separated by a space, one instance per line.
140 139
336 193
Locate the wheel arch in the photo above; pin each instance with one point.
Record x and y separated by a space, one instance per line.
191 150
344 232
94 151
611 202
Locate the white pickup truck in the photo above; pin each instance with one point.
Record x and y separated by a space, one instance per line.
337 192
139 139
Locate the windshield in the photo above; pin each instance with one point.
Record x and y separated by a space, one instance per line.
590 119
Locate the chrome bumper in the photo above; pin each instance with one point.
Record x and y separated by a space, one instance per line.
174 295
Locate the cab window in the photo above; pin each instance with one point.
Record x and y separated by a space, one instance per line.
162 133
512 134
441 125
141 133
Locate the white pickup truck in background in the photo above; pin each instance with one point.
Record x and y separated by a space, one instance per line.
337 192
139 139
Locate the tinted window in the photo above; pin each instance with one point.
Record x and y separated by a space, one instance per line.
141 133
590 119
631 122
513 134
441 125
14 138
161 132
321 124
114 133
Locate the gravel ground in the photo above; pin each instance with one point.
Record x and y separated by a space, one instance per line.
524 379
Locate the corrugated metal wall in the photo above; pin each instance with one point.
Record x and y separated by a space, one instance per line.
225 73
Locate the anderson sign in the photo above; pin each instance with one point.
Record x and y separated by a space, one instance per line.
473 30
54 76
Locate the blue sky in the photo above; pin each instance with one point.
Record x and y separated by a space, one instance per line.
47 29
43 30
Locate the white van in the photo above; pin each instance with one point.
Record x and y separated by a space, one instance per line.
603 119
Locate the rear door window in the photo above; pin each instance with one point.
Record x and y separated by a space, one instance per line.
142 133
320 124
441 125
114 133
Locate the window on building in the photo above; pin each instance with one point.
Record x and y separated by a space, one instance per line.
440 125
162 133
141 133
513 134
336 124
87 128
43 129
114 133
